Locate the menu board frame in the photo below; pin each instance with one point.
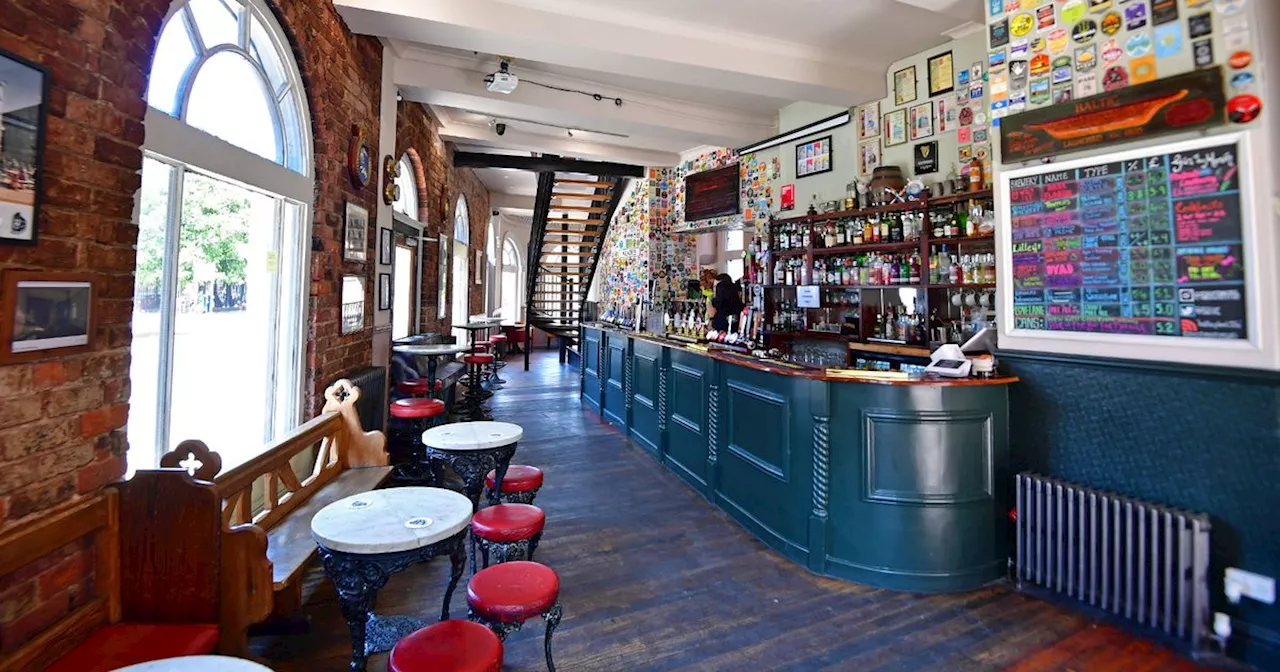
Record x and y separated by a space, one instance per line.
1258 350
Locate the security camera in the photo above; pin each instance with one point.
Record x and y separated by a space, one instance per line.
500 127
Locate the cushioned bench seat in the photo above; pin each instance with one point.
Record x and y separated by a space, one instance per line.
124 644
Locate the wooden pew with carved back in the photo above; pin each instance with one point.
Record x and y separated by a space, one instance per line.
265 508
152 544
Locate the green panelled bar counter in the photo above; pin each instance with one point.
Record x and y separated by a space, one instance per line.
901 485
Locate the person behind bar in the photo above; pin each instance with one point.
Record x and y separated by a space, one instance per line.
725 301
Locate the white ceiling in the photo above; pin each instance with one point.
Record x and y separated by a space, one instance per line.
689 72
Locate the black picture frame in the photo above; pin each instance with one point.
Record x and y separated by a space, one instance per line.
384 291
814 157
19 221
949 77
385 245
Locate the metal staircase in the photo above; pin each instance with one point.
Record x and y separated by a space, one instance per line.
570 221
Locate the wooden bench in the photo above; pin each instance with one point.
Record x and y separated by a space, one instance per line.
153 548
265 508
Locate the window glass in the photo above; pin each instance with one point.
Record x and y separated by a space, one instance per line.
733 240
735 268
461 222
228 101
219 21
174 57
407 202
265 53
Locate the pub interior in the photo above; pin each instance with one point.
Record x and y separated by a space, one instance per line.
508 335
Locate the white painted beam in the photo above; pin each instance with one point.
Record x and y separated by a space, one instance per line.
545 144
499 200
443 80
713 60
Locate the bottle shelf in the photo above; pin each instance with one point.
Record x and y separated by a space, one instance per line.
941 285
893 207
783 254
959 240
872 247
964 285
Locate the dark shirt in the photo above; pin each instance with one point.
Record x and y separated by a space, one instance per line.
724 308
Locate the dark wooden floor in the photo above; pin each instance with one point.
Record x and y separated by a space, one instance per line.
654 578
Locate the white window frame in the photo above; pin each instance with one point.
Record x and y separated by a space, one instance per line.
171 140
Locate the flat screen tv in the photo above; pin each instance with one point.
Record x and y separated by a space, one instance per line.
712 193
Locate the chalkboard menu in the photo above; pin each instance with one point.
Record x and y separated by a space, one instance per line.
1150 246
713 193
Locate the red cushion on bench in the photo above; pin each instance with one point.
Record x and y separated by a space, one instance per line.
124 644
505 523
418 386
478 359
416 407
513 592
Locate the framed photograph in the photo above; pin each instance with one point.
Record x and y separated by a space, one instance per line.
355 234
479 273
895 128
384 291
384 246
904 85
869 120
814 157
922 121
46 312
442 275
868 157
24 90
942 74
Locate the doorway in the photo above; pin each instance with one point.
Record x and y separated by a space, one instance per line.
460 311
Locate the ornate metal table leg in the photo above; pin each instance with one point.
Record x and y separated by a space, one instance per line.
357 584
458 565
552 617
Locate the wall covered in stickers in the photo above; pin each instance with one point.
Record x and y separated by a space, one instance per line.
1195 437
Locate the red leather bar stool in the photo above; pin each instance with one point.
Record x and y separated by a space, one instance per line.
510 531
419 387
448 646
419 413
499 342
495 347
473 404
519 485
504 596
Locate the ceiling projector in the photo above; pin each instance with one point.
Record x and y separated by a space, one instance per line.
502 81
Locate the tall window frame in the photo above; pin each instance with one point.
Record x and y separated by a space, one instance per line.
218 43
461 285
509 298
405 212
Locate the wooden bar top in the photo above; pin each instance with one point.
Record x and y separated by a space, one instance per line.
801 371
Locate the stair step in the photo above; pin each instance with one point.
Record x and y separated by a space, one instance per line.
584 183
564 253
566 264
599 198
593 209
571 243
563 232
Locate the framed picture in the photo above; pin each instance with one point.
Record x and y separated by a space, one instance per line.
868 157
922 121
942 74
904 85
442 275
24 90
869 120
814 157
44 312
479 279
384 291
895 128
384 246
352 304
355 234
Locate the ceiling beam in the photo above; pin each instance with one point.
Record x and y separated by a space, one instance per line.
540 164
452 130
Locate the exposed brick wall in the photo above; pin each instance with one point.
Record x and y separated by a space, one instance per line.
439 185
62 419
343 77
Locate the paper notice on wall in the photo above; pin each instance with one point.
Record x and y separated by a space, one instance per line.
807 296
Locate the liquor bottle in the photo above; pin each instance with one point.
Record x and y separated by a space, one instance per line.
895 229
841 238
970 228
944 267
877 270
904 269
790 277
831 235
933 269
879 326
845 270
915 269
868 235
957 273
890 332
895 270
884 230
975 174
857 232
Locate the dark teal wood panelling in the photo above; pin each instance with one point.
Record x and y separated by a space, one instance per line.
646 363
1198 438
686 447
913 500
592 341
764 458
615 375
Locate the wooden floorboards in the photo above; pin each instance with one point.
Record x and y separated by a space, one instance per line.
656 579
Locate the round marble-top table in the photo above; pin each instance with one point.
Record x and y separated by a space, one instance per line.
365 538
473 449
431 353
196 664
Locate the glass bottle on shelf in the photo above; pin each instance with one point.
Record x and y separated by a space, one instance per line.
957 273
841 238
944 267
914 277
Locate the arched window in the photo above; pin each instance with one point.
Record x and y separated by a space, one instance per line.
407 202
461 222
224 235
509 304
